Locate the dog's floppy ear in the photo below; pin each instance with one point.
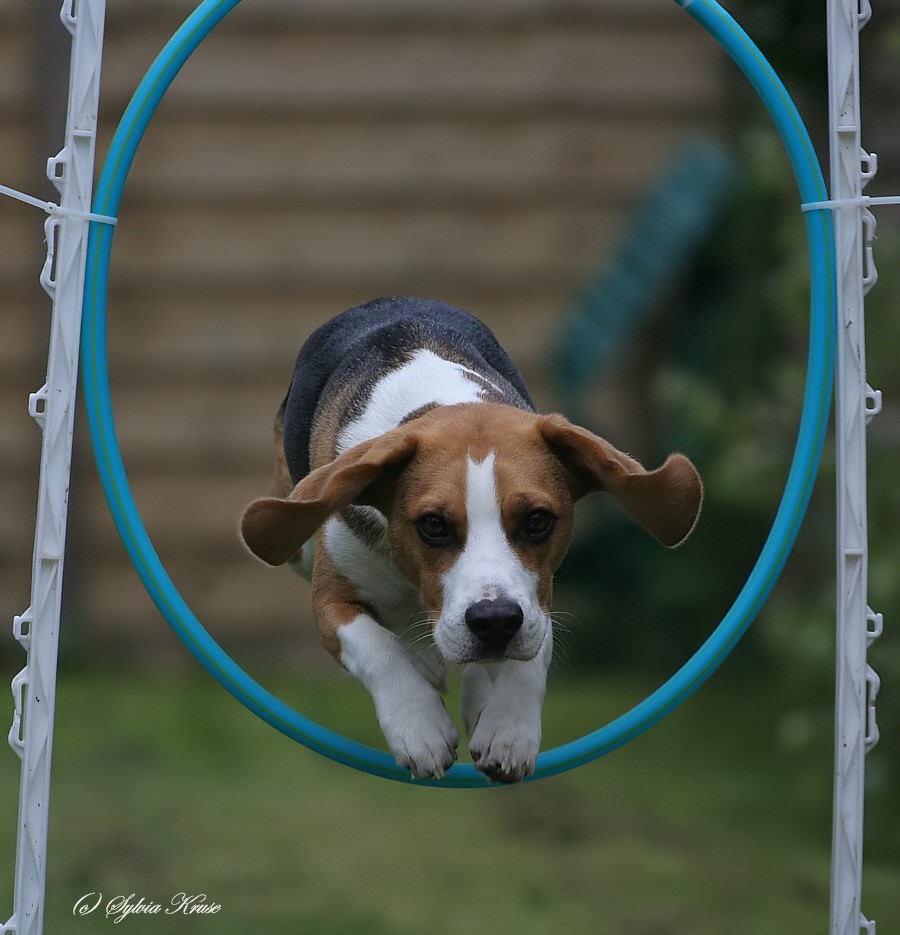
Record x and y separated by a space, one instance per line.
274 529
666 502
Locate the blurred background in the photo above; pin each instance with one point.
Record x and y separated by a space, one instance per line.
598 183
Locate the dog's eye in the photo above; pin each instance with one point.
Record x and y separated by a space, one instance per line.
434 529
538 525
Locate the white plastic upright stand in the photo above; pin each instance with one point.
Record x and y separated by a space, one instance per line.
53 408
856 403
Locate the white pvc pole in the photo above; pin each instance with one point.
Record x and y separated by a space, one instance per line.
855 403
53 408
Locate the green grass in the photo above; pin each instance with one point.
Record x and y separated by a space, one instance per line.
701 826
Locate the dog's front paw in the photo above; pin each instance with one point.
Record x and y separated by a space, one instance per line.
422 738
505 749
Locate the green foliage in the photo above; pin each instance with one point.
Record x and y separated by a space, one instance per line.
792 35
729 392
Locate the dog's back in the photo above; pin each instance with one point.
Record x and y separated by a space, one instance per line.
343 361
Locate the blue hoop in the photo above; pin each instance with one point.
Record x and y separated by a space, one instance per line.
709 656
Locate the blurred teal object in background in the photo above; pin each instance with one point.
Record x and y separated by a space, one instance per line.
671 223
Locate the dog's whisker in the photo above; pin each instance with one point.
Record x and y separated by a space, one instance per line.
563 622
561 654
426 636
418 622
416 630
419 631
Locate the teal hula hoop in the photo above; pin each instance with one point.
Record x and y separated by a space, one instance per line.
780 540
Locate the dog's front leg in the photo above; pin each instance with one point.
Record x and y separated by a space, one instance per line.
407 696
410 709
502 704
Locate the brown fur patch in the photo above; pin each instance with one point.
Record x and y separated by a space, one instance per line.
327 426
281 477
334 601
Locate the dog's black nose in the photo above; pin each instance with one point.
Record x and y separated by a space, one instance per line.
495 623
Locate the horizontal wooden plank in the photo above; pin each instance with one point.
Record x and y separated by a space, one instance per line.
213 428
19 435
14 70
23 240
255 339
13 13
254 249
18 502
240 602
219 432
545 66
193 527
241 340
188 516
23 350
387 12
329 161
20 164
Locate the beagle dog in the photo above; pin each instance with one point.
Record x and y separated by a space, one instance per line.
429 504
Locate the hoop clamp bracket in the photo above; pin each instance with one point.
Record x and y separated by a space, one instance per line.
16 734
37 406
873 403
874 629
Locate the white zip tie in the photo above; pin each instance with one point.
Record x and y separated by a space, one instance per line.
54 209
862 200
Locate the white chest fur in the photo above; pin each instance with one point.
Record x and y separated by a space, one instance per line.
375 579
424 379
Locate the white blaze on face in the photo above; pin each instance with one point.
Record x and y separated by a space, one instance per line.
487 569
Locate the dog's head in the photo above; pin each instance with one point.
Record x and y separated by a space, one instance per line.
478 500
